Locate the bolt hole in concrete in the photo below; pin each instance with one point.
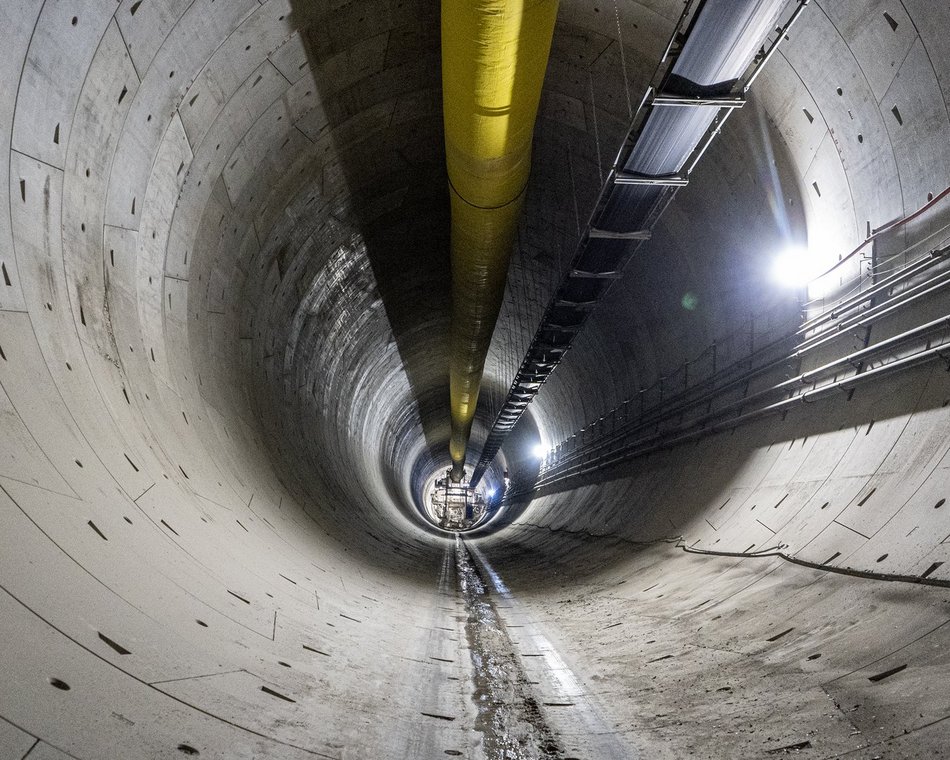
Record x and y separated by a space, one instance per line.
887 673
114 645
277 694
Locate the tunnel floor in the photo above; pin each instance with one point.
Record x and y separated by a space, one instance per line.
602 649
530 704
679 655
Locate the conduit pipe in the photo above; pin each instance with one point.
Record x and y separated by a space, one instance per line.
494 55
710 423
654 418
904 273
889 227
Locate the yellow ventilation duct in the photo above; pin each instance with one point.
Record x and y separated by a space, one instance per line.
494 54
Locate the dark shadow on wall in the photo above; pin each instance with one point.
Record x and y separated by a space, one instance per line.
377 71
653 498
631 503
700 275
707 268
857 405
380 88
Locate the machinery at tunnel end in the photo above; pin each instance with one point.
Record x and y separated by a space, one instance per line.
456 506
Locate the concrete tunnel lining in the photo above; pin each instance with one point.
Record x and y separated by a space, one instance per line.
223 323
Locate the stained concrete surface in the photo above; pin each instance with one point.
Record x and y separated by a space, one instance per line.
222 323
768 658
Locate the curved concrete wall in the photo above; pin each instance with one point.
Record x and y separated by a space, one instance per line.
222 321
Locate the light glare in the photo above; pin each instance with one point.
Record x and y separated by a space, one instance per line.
797 266
539 451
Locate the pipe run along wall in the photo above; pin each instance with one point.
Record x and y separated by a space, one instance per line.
494 55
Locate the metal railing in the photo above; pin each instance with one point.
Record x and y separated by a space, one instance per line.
769 380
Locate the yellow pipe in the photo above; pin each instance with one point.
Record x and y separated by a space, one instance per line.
494 54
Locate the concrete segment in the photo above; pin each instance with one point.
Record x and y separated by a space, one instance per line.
223 319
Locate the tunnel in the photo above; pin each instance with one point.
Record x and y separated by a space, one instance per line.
720 528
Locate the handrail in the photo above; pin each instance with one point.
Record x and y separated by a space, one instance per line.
701 426
805 378
927 287
889 227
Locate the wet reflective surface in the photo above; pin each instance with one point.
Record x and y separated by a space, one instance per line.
509 716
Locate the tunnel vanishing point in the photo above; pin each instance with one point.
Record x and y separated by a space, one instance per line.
705 410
